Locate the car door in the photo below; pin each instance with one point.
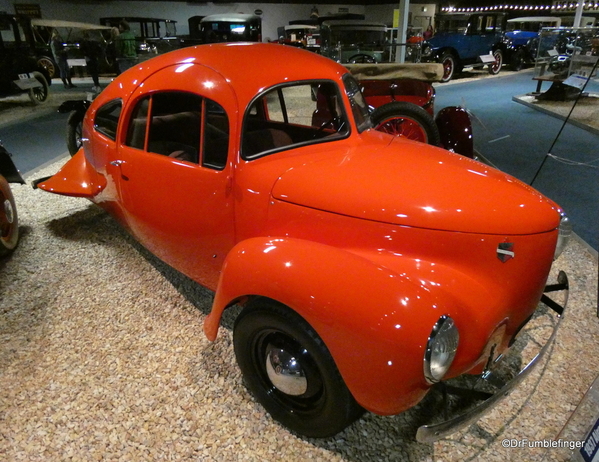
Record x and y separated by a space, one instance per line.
176 169
483 41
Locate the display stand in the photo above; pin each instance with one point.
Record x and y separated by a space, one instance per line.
564 52
578 441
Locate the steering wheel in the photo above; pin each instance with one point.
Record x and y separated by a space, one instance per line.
334 122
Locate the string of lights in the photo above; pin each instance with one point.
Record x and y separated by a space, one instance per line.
558 6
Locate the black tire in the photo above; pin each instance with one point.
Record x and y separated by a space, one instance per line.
495 67
9 220
362 59
47 63
517 60
401 118
323 405
39 95
449 66
74 131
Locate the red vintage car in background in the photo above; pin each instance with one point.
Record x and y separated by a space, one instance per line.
366 275
402 99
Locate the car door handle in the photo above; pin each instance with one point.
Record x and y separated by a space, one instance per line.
117 163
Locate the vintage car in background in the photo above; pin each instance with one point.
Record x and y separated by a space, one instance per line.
73 34
152 35
9 220
219 28
466 40
401 100
354 41
366 274
300 35
521 39
20 72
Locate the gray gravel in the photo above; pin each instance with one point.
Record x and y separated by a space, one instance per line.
102 357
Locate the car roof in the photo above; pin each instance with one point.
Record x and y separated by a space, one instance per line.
230 17
249 67
536 19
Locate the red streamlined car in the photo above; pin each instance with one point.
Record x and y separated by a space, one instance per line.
370 267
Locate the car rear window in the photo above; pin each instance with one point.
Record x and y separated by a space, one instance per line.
172 124
107 118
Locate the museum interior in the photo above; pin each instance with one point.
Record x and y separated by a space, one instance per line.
379 214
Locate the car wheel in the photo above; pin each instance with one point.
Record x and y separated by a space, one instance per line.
449 66
406 119
517 61
362 59
75 131
9 221
290 371
46 63
495 67
39 94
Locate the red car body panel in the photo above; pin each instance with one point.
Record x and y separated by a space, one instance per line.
369 237
379 92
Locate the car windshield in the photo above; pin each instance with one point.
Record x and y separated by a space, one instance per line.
358 104
293 115
361 35
230 31
453 24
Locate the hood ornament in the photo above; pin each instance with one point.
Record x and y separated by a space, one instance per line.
505 251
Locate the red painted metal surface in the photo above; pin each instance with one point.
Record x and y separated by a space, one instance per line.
369 237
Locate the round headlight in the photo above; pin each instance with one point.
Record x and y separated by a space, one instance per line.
440 349
564 233
426 50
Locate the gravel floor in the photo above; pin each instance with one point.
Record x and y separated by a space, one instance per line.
102 357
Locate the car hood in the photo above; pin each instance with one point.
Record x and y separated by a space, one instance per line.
412 184
522 36
442 38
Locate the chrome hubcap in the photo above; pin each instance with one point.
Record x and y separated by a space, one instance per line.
9 212
285 372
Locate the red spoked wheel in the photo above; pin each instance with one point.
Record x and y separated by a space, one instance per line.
495 66
408 120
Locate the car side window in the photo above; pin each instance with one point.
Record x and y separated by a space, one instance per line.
477 25
490 24
216 135
7 32
107 118
293 115
172 124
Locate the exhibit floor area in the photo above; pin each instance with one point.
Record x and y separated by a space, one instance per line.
102 357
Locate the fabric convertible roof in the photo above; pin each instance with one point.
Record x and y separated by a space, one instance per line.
69 24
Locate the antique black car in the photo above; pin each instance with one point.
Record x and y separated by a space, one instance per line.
19 70
152 35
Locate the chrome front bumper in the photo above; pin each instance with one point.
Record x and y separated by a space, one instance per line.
434 432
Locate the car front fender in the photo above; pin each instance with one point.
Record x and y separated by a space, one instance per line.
8 168
374 321
455 130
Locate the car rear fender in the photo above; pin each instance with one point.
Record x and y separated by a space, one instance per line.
374 322
76 178
74 105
